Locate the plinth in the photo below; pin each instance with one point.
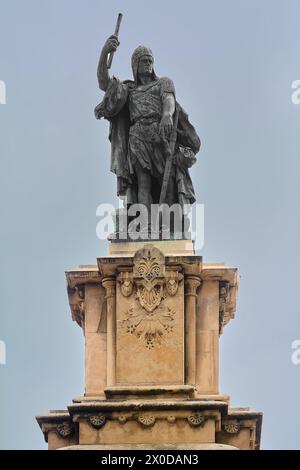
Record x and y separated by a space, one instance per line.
152 314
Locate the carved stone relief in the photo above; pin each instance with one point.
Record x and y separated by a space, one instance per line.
77 303
65 429
232 427
97 421
149 284
223 299
196 419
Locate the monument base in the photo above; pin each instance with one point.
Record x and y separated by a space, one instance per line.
152 314
185 425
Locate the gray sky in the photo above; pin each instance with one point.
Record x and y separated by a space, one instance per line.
233 63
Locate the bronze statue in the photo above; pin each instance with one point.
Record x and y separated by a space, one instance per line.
147 129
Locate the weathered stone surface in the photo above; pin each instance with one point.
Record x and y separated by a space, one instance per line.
192 446
135 432
241 427
151 323
59 429
150 392
168 247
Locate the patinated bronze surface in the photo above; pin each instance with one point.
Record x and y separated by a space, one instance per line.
141 114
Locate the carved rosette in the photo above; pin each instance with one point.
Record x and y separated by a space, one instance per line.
65 429
149 283
146 420
122 419
97 421
171 419
196 419
231 428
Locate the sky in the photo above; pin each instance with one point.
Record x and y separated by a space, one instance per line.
233 63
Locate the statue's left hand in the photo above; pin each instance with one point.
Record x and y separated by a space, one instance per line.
166 126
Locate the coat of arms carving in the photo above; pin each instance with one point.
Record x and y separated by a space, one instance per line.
149 319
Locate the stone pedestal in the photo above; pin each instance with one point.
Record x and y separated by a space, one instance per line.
151 314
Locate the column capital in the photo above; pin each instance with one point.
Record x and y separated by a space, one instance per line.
109 284
191 283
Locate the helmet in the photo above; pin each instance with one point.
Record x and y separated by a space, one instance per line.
137 54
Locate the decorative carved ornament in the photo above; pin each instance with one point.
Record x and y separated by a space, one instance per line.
150 328
146 420
224 317
172 283
65 429
232 428
196 419
97 421
149 272
227 302
77 303
151 284
171 419
126 285
122 419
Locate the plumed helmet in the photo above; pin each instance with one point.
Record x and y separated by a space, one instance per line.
137 54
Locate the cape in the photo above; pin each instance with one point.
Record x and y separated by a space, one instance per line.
114 108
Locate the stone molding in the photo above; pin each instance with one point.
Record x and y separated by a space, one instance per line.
148 419
58 422
147 413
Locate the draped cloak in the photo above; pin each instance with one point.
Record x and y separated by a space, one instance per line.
115 108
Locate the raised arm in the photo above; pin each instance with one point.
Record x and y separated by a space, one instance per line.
110 45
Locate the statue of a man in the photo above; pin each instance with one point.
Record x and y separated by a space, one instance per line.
141 113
